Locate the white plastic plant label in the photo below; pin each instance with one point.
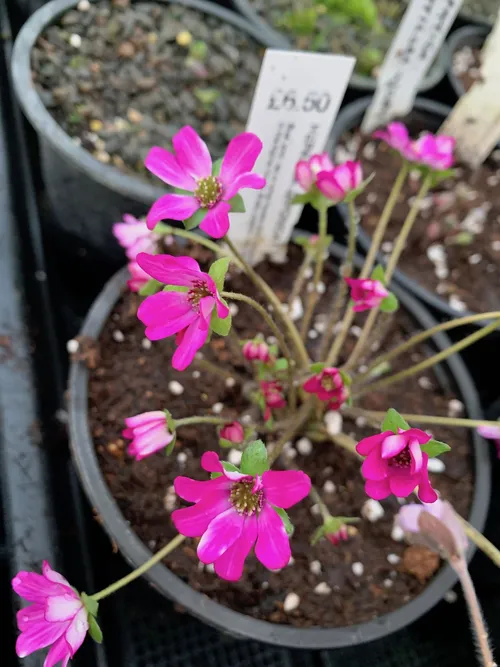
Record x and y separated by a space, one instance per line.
415 46
295 104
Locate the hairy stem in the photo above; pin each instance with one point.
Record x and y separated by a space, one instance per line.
301 417
301 276
187 421
481 542
318 273
319 501
216 370
159 556
423 419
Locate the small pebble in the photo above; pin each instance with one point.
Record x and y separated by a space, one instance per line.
118 336
475 258
175 388
356 331
315 567
397 533
450 597
246 419
360 422
455 407
234 309
264 585
146 344
388 583
372 510
315 509
313 334
217 408
369 150
387 246
424 382
393 559
329 486
321 289
436 466
291 561
181 458
496 246
230 382
358 569
322 589
308 273
83 6
75 41
333 422
234 457
304 446
272 340
210 568
200 567
320 326
41 276
72 346
296 309
457 304
196 374
62 416
291 602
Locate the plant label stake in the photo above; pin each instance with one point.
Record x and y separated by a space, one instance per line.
475 119
295 104
419 38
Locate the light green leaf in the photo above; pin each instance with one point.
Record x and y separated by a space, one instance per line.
317 367
301 199
91 605
196 219
393 421
226 444
281 364
218 272
207 96
346 378
220 326
381 369
300 239
237 204
170 447
254 459
216 167
214 475
378 273
435 448
175 288
151 287
229 467
390 304
94 630
286 521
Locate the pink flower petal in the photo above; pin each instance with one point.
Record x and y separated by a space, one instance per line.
417 434
211 463
378 490
163 164
192 153
169 270
240 157
62 607
273 546
222 309
249 180
328 185
216 221
393 445
38 635
150 417
35 588
222 532
312 385
59 651
193 490
489 432
365 446
171 207
416 457
230 565
303 174
374 467
54 576
193 339
402 485
193 521
285 488
77 630
166 313
408 516
425 491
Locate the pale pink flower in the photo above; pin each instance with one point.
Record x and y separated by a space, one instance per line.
396 464
273 397
409 515
366 293
397 137
190 169
57 616
328 385
491 433
233 432
255 350
434 151
335 184
133 235
148 432
234 512
138 277
186 314
306 171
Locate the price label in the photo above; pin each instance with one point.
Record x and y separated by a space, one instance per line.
414 48
295 104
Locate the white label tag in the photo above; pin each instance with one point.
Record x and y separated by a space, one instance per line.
295 104
420 35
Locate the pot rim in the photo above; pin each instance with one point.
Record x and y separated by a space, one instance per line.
199 605
358 81
469 35
48 128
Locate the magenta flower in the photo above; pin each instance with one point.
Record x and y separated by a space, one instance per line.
190 169
234 512
491 433
396 464
273 397
434 151
328 385
185 313
366 293
148 432
409 515
255 350
233 432
306 171
57 618
340 535
338 182
133 235
396 136
138 277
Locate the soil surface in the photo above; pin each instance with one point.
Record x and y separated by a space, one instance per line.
120 78
466 65
454 246
369 575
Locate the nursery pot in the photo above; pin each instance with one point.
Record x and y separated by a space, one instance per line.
470 35
85 195
359 82
200 605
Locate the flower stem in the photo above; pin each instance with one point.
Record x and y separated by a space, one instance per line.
481 541
159 556
162 228
424 419
436 358
318 272
300 419
274 301
216 370
301 276
319 501
187 421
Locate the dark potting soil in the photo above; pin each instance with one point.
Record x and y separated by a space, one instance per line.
313 28
358 580
120 78
466 65
454 247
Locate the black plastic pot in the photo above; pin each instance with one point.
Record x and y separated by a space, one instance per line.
358 81
470 35
86 196
198 604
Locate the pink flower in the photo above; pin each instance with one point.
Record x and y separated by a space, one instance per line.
133 235
234 512
396 136
491 433
338 182
148 432
328 385
57 618
233 433
186 313
273 397
409 515
366 293
434 151
396 464
256 351
138 277
306 171
341 535
190 169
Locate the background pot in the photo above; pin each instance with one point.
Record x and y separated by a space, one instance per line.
358 81
470 35
86 196
200 605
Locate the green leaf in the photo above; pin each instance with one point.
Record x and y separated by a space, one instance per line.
346 378
463 238
218 271
91 605
207 96
381 369
226 444
286 520
94 630
170 447
393 421
435 448
281 364
229 467
170 421
351 196
196 219
318 535
175 288
254 459
151 287
214 475
317 367
220 326
378 273
237 204
390 304
439 176
301 199
300 239
216 167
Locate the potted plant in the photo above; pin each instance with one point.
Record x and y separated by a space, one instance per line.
203 490
463 52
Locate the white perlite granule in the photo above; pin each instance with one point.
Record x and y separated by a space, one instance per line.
358 568
291 602
315 567
304 446
72 346
372 510
322 589
175 388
